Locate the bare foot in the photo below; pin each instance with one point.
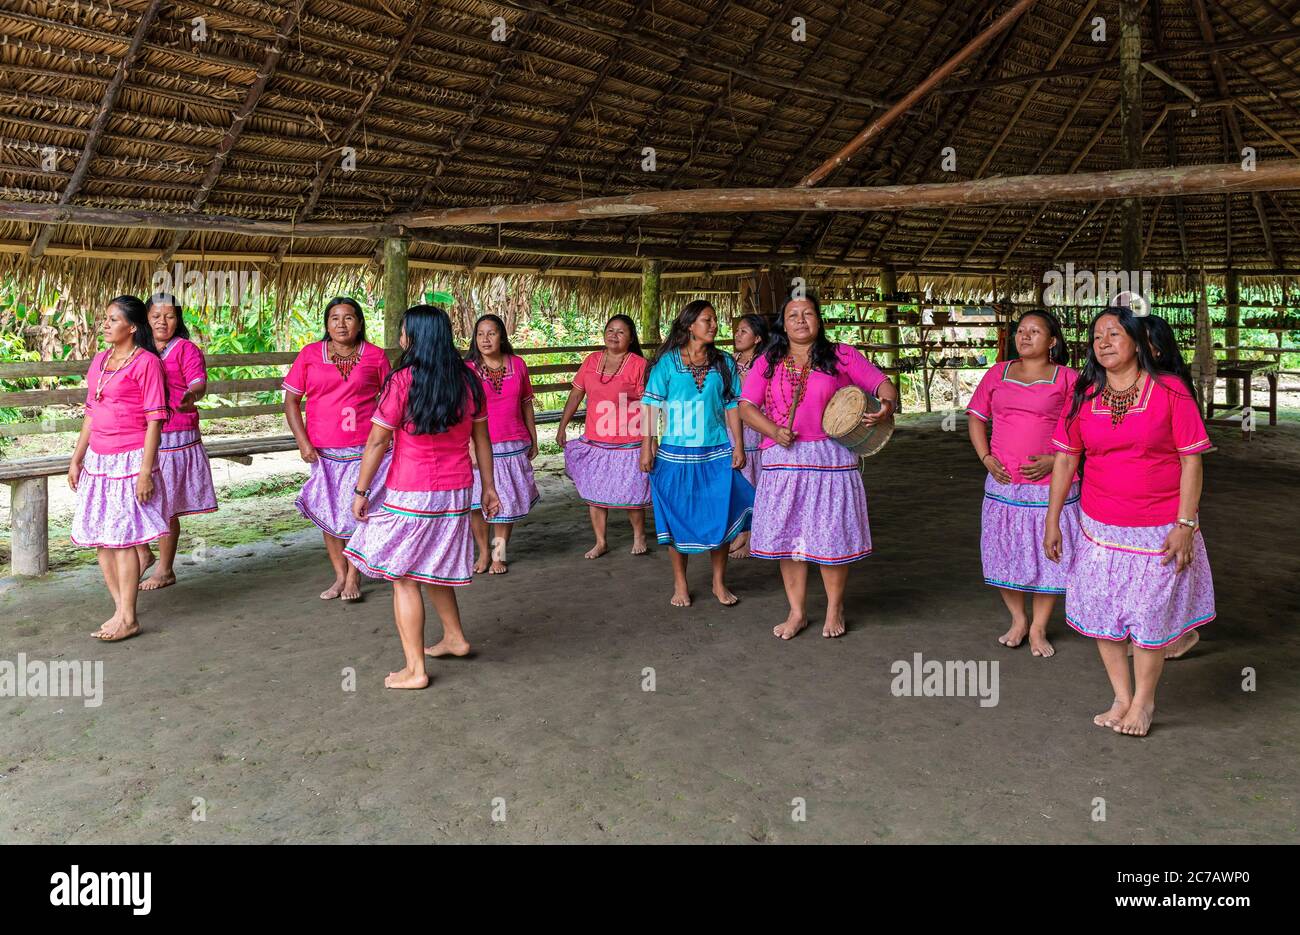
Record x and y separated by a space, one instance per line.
498 568
597 550
1136 721
1038 643
447 647
146 565
681 598
1112 715
724 595
108 626
1179 647
333 591
406 679
1016 635
351 591
834 625
740 548
159 579
793 624
123 631
638 546
481 565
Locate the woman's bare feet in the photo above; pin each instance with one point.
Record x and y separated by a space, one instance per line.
724 595
333 591
351 590
1038 643
447 647
597 550
480 564
1179 647
1016 635
1112 715
498 567
638 545
834 625
681 597
147 563
791 627
159 579
1136 721
121 631
108 626
406 678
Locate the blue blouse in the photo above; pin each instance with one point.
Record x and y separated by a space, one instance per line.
695 418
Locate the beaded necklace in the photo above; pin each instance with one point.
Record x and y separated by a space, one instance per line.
102 382
496 376
1119 401
785 391
600 374
699 372
345 362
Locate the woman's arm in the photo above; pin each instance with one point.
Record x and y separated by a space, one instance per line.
192 396
381 436
887 393
571 405
482 445
293 415
1178 544
530 420
752 416
649 436
978 430
144 480
732 416
1062 476
79 454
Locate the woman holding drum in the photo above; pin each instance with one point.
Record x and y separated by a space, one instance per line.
1023 398
810 505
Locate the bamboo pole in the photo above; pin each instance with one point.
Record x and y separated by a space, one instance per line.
1130 124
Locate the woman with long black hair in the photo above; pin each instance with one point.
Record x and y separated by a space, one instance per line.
114 468
1023 398
701 500
1139 573
182 459
605 461
340 377
749 337
513 429
417 533
810 506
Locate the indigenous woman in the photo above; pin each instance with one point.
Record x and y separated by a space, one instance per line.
114 468
340 376
417 531
605 461
1139 572
182 459
513 430
1023 398
750 335
701 500
810 505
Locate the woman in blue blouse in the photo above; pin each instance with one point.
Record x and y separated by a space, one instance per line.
701 500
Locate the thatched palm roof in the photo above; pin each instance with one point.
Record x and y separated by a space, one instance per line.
243 108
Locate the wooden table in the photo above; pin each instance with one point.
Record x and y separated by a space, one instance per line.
1245 371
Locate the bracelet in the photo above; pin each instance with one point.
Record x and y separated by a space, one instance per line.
362 493
1189 523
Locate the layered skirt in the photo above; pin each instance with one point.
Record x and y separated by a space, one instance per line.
606 474
811 505
700 501
186 473
1011 537
108 514
421 535
512 473
326 498
1117 589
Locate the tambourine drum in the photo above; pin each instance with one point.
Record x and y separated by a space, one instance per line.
842 421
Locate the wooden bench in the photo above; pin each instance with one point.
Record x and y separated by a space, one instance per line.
1245 371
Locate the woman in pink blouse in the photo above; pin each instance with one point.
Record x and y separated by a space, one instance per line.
114 468
1139 572
340 377
809 506
511 425
182 459
605 461
1023 398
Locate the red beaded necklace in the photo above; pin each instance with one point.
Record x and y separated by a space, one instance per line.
786 389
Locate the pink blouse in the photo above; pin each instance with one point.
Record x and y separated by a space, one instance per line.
613 400
130 398
338 409
505 405
424 462
1024 415
184 368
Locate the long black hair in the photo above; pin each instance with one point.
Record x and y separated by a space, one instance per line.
679 335
474 355
634 346
167 300
442 385
758 325
1092 379
1164 348
355 306
1057 352
778 342
138 314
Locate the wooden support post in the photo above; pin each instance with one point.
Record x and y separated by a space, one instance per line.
1232 331
1130 121
396 289
30 515
888 286
651 273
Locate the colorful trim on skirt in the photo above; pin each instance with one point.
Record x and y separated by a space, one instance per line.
512 473
326 498
187 473
700 501
606 474
108 514
420 535
1013 521
1117 589
811 505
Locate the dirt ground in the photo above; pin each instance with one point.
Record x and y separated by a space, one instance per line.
235 695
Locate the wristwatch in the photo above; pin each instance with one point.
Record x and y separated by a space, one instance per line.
362 493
